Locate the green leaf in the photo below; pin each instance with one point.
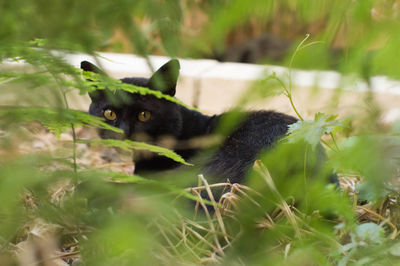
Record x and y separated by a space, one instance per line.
135 179
57 120
127 178
368 191
395 249
38 42
130 145
312 131
370 233
347 247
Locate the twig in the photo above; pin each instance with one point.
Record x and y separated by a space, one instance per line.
201 202
216 208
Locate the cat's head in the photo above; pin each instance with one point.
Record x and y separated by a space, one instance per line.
139 116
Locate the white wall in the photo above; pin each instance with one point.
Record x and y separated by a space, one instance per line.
215 87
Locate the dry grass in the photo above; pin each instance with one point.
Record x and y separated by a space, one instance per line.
203 238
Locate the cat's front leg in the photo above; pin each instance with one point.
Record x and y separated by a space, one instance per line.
155 163
146 161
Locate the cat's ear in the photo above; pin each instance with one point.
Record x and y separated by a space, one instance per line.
165 78
87 66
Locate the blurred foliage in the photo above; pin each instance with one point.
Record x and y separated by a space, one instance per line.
55 208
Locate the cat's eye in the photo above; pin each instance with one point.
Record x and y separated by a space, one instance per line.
110 114
144 116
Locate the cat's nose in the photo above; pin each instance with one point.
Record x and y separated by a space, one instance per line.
125 127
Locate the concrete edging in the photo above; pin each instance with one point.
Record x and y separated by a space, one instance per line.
214 86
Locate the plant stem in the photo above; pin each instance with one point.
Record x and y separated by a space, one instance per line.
289 95
74 147
73 135
334 142
56 79
329 146
289 89
305 177
292 59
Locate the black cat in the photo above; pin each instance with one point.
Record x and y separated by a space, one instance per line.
145 117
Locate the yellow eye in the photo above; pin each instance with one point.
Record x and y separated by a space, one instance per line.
110 114
144 116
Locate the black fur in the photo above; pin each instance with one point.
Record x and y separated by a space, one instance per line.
257 131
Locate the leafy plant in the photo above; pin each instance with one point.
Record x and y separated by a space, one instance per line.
68 197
